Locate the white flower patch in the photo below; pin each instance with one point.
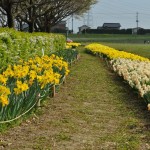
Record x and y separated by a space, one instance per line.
136 73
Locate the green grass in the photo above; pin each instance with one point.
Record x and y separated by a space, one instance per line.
109 38
139 49
130 43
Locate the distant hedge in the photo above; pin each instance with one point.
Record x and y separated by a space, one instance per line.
16 45
106 31
114 31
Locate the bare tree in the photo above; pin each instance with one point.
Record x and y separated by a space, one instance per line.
41 14
61 9
10 7
31 10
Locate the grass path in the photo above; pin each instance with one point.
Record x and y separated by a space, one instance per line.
94 110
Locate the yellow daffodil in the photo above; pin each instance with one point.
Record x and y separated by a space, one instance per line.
4 92
112 53
3 79
4 100
72 44
8 72
21 87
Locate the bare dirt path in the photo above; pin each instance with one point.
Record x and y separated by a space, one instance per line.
94 110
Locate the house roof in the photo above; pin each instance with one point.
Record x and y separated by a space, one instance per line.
84 26
112 25
99 27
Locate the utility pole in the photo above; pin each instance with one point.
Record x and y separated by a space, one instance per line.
72 23
88 19
137 21
84 20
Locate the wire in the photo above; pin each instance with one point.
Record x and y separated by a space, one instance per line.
8 121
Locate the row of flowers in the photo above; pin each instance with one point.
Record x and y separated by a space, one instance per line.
111 53
72 45
15 45
134 69
22 84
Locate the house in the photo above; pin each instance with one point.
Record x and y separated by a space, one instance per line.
115 26
99 27
83 28
61 26
135 30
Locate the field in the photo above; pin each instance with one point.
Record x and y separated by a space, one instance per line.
95 109
139 49
130 43
109 38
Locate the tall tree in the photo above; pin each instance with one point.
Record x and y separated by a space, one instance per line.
31 10
10 7
61 9
42 14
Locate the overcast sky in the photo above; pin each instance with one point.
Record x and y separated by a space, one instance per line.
116 11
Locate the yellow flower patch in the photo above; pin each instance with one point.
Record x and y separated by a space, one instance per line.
4 92
112 53
72 44
42 70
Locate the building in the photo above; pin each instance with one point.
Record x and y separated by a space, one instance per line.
83 28
99 27
59 27
135 30
111 26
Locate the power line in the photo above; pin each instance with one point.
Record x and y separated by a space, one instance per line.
111 13
72 22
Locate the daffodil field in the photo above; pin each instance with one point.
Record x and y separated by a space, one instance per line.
72 45
33 72
16 45
134 69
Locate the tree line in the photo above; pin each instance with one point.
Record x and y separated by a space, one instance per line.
40 15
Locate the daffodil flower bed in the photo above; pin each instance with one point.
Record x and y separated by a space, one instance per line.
22 85
72 45
135 72
69 55
111 53
134 69
15 45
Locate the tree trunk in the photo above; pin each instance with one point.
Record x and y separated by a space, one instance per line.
48 29
20 25
10 18
31 27
46 23
31 17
